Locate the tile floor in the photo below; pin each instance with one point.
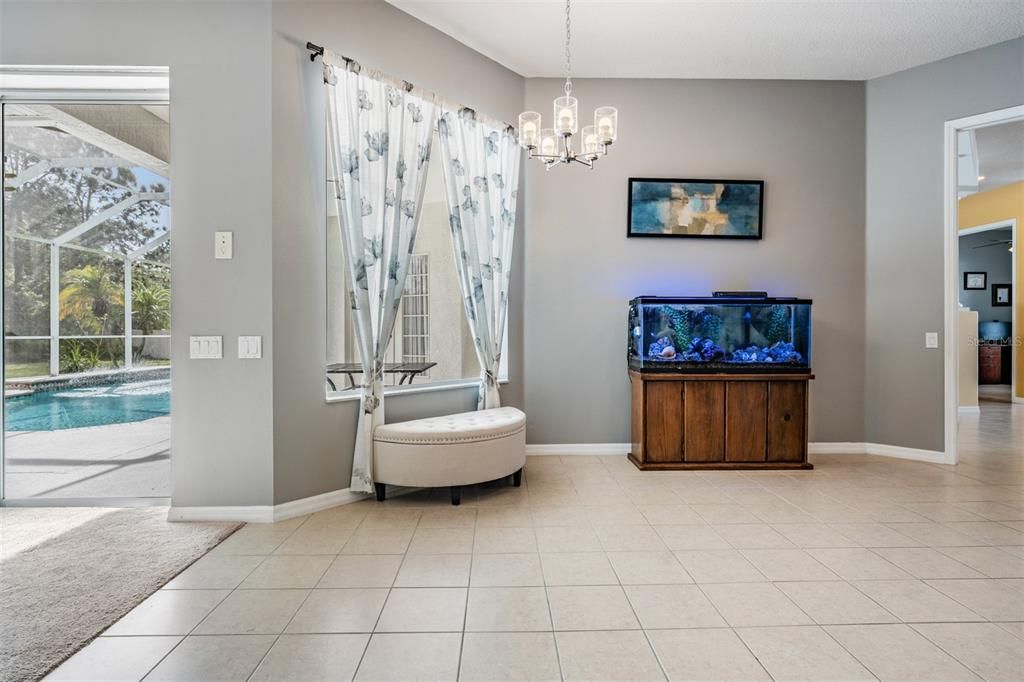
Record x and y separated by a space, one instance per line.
865 568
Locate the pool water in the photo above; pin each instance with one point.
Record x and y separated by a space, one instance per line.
96 405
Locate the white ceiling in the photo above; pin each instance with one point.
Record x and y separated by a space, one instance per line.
791 39
1000 154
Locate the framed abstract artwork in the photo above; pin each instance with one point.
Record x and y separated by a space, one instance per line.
713 209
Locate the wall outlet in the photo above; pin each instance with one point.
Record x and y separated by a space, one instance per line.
222 245
931 339
205 347
250 347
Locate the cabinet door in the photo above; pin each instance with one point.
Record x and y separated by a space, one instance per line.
704 426
746 421
664 421
787 441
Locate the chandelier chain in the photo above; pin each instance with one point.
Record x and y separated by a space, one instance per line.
568 55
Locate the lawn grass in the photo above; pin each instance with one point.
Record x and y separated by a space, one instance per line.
19 370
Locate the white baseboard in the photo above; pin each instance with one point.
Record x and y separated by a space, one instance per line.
267 513
969 409
814 448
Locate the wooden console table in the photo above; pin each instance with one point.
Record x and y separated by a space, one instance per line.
719 421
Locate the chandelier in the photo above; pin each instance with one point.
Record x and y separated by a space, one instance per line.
555 145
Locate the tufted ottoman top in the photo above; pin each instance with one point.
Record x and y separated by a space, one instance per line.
455 428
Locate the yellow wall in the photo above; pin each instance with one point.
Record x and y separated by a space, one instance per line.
985 208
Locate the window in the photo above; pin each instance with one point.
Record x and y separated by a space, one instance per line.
431 327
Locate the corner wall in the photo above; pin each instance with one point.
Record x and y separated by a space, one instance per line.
805 139
906 112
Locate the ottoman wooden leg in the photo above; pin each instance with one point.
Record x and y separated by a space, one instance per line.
381 489
456 494
517 478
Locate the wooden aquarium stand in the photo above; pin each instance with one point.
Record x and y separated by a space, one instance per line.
719 421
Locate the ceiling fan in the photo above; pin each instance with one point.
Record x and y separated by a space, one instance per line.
997 242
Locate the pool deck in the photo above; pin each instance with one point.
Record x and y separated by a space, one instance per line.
115 460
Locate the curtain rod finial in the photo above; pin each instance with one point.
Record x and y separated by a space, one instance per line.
315 51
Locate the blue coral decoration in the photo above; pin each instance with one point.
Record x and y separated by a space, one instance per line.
658 346
703 350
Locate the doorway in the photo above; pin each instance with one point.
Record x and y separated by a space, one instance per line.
86 299
984 206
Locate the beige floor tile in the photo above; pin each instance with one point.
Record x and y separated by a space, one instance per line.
806 535
926 563
913 601
542 515
345 516
994 511
227 658
504 540
361 571
897 652
718 566
114 659
693 536
724 513
312 658
215 572
432 609
253 612
391 518
411 656
993 562
942 512
987 650
754 605
507 609
623 656
669 514
253 540
506 570
434 570
168 612
787 564
629 539
648 568
858 564
448 517
875 535
935 534
701 655
672 606
378 541
578 568
504 517
802 653
992 533
315 540
1016 629
287 571
509 656
591 608
993 599
567 539
833 602
753 536
442 541
615 515
339 611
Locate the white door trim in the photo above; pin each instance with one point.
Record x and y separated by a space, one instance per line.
951 264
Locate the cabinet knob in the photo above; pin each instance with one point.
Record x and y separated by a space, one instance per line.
786 417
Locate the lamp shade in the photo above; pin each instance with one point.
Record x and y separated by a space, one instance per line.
529 129
548 142
606 121
566 118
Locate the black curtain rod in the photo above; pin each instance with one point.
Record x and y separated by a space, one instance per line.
315 51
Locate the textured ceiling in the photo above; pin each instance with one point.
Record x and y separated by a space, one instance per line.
1000 154
801 39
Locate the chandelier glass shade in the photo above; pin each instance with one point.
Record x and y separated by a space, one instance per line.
558 144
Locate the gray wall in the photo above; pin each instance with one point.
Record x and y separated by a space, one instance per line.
994 260
313 440
219 58
904 223
804 139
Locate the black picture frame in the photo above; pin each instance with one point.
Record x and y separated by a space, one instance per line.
984 281
630 233
996 288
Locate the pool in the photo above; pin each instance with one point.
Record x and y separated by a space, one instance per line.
94 405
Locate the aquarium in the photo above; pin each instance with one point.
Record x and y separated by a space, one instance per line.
748 333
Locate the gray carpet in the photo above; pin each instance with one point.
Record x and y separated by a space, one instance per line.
58 595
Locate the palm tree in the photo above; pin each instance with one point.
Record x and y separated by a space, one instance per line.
151 309
89 292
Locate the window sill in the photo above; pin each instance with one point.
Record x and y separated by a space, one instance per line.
390 391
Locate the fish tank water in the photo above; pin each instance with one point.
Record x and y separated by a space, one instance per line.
721 333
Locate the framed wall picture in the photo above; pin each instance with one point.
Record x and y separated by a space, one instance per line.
1002 295
711 209
976 280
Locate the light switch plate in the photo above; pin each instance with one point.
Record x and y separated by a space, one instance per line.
931 339
250 347
205 347
223 246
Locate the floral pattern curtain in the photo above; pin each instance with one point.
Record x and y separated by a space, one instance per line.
481 173
379 137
